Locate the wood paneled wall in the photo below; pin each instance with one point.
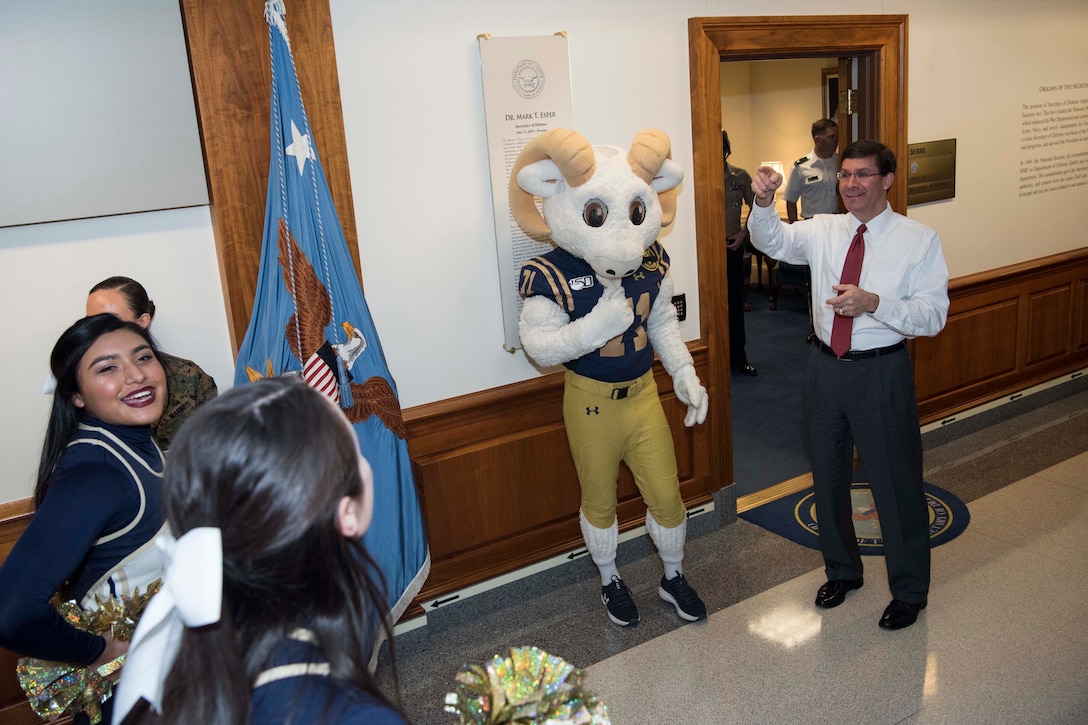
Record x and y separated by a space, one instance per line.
500 492
1008 329
498 484
14 709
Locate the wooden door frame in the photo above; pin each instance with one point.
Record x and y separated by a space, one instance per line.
232 80
880 44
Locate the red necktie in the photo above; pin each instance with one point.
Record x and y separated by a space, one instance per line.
851 274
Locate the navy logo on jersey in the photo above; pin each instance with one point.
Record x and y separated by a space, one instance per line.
650 261
579 283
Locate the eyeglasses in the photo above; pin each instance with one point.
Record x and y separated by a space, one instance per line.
859 175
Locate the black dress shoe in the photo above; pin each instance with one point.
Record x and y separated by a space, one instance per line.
833 593
901 614
746 369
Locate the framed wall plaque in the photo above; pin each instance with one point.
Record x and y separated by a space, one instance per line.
931 171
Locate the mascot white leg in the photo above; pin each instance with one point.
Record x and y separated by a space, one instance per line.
602 544
674 588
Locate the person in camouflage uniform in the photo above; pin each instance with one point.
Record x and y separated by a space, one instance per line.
188 386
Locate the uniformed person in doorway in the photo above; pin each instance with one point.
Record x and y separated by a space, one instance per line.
812 179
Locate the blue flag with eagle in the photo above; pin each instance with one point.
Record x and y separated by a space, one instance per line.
310 318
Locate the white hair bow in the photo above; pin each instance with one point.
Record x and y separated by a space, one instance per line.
191 596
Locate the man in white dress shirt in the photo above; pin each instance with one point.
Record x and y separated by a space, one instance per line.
864 395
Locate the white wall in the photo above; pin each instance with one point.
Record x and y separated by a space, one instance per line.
101 91
46 271
411 93
410 84
972 67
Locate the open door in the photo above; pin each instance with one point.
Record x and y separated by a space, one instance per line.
874 51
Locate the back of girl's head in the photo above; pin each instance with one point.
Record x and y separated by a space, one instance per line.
134 293
268 463
64 362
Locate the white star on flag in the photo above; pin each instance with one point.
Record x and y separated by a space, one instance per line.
300 148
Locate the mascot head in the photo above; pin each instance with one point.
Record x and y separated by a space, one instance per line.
603 204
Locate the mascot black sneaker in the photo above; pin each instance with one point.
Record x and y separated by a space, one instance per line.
678 592
617 600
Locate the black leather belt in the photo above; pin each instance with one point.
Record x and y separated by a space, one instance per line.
620 393
860 354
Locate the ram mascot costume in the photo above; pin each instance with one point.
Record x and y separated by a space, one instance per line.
601 304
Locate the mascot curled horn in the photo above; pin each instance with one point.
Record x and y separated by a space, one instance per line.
600 304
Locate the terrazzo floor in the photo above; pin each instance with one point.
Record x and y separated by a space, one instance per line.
1003 639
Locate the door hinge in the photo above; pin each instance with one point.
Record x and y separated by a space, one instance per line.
848 101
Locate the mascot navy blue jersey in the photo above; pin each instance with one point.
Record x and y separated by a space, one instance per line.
570 283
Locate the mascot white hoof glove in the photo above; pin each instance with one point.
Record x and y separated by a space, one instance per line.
601 304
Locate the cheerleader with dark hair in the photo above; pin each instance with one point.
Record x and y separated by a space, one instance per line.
97 501
270 604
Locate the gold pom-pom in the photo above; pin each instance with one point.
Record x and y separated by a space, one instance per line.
529 686
54 688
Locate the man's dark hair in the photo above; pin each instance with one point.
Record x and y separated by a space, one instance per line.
885 157
726 148
822 125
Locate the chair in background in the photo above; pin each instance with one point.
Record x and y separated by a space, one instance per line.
797 276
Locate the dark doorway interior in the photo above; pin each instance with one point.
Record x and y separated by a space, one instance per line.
768 107
768 440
